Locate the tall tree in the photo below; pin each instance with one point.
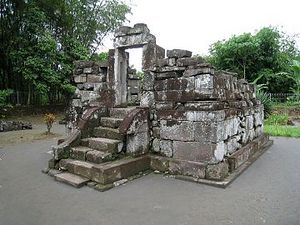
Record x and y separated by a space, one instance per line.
268 52
40 39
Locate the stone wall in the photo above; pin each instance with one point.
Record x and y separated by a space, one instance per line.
14 125
90 79
133 87
199 114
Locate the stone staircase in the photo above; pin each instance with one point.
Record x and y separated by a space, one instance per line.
102 159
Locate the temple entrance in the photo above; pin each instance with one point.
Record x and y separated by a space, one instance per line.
127 38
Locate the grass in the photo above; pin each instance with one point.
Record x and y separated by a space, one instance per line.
281 130
277 119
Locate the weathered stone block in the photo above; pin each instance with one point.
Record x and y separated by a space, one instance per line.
156 132
107 132
136 40
117 170
164 105
194 151
217 171
258 119
174 84
204 105
232 144
162 62
133 83
189 61
72 179
178 69
173 95
80 168
122 31
171 61
231 127
87 70
258 131
148 81
209 132
178 53
88 95
177 130
79 153
241 156
204 81
151 52
133 90
187 168
96 156
95 78
213 116
138 144
159 163
80 79
76 103
166 148
147 99
198 71
249 122
155 145
167 75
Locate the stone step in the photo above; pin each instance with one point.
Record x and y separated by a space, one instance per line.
103 144
107 132
72 179
97 156
120 112
109 172
111 122
80 152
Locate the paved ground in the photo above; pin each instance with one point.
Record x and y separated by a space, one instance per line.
267 193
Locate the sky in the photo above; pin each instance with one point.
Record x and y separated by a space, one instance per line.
195 24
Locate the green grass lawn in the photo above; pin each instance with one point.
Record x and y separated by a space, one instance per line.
281 130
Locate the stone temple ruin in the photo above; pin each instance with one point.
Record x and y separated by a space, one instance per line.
184 118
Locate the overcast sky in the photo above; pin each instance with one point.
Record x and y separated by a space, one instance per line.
195 24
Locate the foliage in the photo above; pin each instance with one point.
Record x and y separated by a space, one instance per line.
277 119
49 119
264 98
140 75
101 57
266 53
3 97
40 39
285 131
295 67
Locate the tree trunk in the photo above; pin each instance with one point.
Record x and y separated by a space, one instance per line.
29 94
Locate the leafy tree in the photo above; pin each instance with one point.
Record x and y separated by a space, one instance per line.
295 75
40 39
267 52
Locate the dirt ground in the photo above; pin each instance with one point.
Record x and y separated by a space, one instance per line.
38 131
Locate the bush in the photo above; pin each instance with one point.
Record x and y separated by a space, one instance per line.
49 119
276 119
3 97
264 98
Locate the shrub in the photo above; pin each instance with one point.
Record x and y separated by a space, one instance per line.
264 98
277 119
49 119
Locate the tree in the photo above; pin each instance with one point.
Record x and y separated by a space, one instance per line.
267 52
40 39
295 75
